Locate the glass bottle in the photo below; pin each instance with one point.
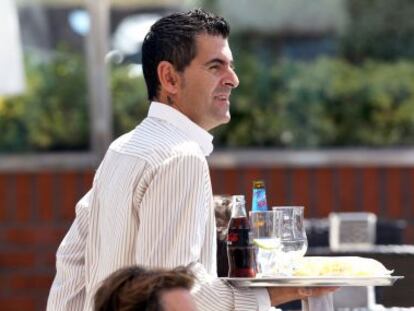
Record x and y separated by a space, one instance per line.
259 202
240 251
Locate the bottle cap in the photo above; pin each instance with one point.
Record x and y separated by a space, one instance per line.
258 184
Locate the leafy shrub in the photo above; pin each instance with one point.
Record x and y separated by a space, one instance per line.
129 99
52 114
327 102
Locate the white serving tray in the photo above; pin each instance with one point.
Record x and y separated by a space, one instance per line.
314 281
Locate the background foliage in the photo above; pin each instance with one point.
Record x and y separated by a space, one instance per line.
379 29
362 95
327 102
52 114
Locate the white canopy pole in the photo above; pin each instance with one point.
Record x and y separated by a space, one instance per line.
97 47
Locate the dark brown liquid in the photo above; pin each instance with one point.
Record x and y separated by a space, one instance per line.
238 232
239 223
241 254
242 261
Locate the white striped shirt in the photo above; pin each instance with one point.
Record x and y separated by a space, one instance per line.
151 205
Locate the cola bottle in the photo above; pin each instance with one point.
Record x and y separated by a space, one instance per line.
240 251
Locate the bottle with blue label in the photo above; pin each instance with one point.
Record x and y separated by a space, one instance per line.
259 202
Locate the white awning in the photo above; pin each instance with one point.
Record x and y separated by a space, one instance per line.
12 79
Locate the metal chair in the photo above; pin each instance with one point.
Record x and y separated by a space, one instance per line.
353 232
354 297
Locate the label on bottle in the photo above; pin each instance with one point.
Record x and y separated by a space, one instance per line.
238 237
259 202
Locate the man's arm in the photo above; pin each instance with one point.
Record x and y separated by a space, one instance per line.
177 228
68 288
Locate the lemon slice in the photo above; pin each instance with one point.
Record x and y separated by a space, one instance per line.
268 244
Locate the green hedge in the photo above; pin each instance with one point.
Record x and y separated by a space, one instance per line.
52 113
327 102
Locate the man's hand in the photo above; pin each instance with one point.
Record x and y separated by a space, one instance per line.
279 295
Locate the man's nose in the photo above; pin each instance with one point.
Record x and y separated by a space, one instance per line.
231 79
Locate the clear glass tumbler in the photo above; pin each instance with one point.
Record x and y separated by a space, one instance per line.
265 232
293 238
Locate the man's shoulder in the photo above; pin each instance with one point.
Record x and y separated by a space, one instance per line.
158 140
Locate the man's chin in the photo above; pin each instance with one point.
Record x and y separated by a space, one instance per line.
227 117
225 120
221 122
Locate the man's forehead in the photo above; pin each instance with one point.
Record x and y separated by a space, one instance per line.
178 299
213 46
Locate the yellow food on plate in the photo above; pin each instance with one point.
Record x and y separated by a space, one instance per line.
340 266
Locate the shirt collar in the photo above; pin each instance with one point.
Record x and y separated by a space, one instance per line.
182 122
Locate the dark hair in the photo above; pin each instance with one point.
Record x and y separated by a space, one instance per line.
135 288
172 39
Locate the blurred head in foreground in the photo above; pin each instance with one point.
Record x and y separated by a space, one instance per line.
135 288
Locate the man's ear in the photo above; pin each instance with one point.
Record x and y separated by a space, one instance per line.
168 76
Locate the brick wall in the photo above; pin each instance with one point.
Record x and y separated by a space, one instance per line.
36 209
385 191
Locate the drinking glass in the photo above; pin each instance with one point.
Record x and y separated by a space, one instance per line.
293 238
265 232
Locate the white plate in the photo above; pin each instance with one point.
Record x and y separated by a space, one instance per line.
314 281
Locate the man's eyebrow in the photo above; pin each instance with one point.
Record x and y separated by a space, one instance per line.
220 61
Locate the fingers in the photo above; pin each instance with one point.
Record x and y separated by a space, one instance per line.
279 295
315 291
305 292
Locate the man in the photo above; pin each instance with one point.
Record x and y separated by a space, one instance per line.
151 202
136 288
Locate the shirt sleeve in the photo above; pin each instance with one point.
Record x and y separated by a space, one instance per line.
212 293
263 299
173 219
68 288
